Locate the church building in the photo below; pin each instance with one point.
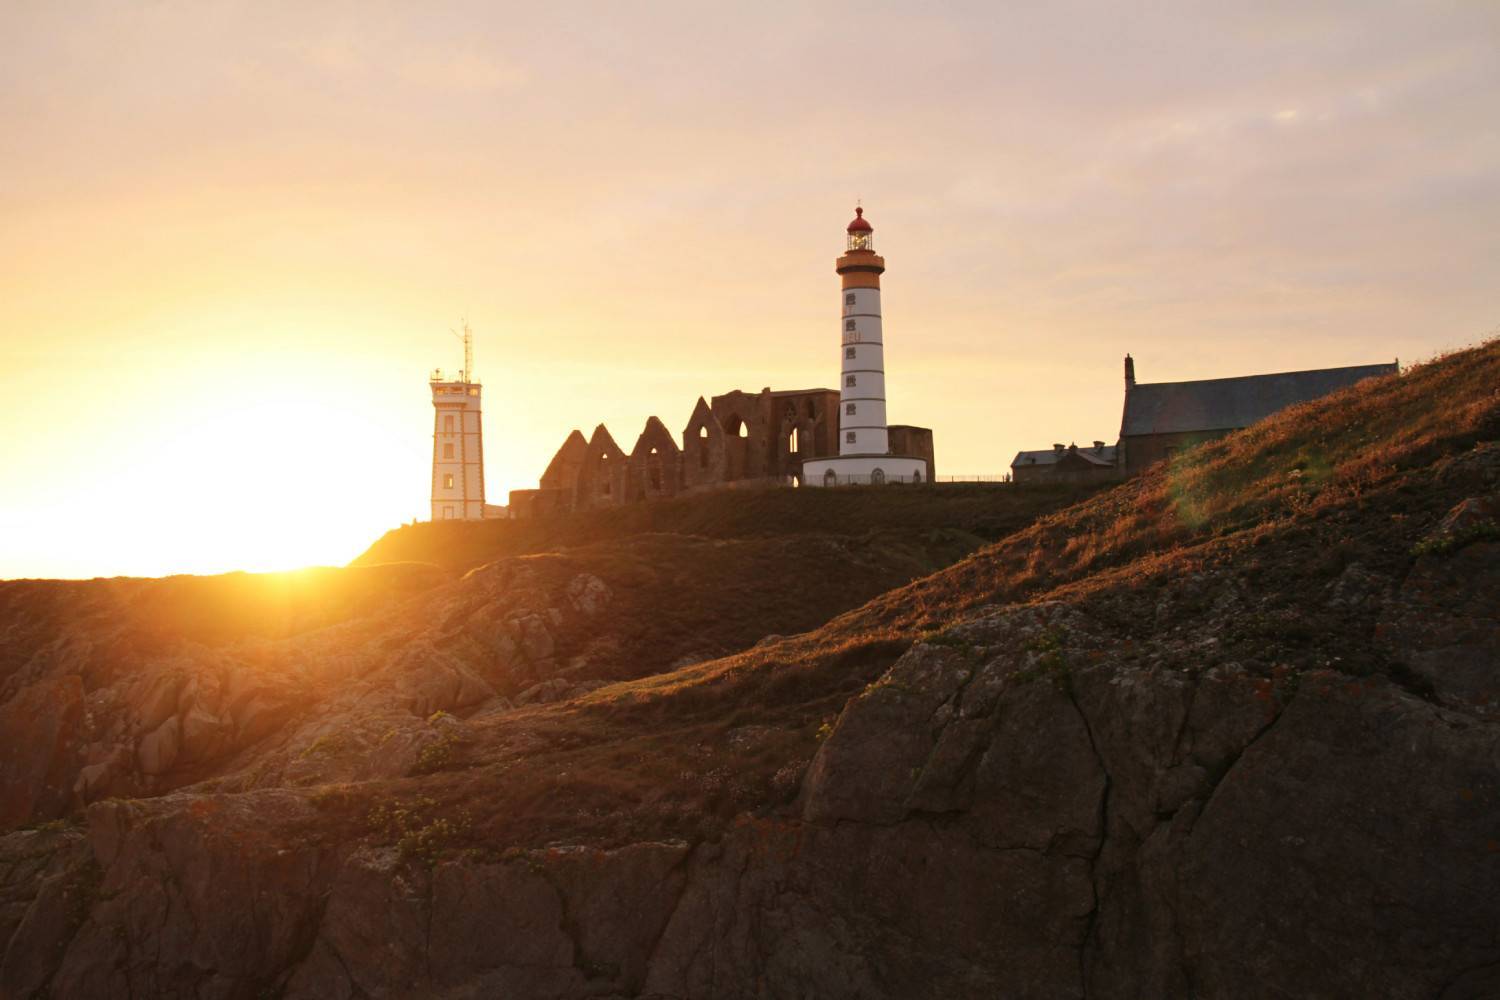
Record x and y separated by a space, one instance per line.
1162 419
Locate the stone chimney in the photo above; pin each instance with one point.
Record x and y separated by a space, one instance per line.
1129 371
1099 446
1058 448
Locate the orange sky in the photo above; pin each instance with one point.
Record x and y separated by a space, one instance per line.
233 236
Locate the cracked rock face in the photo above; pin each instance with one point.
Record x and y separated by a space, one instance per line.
1229 835
1013 809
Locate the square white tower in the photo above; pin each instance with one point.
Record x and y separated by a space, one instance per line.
457 449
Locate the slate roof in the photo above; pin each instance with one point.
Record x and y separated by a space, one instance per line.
1220 404
1049 456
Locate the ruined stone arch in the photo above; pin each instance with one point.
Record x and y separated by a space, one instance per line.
562 471
702 448
655 463
796 442
745 445
602 475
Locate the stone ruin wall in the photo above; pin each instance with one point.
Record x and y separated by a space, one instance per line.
737 439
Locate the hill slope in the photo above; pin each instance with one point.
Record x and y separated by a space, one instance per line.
1227 730
907 517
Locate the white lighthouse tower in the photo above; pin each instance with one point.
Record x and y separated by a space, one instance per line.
864 441
457 442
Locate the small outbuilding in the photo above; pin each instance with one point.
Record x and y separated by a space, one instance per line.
1070 464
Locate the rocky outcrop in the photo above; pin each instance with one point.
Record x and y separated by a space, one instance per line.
1021 806
40 749
1209 809
1444 622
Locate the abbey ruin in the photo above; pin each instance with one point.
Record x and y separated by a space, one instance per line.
737 440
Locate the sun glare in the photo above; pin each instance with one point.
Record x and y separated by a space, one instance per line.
252 481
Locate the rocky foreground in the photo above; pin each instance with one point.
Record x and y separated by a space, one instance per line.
1230 730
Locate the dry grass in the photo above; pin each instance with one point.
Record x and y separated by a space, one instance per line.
1338 452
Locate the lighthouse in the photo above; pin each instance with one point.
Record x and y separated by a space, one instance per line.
864 437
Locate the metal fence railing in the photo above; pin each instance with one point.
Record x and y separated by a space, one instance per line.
986 477
835 480
878 480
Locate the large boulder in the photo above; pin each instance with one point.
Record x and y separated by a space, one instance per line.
158 749
1444 623
39 753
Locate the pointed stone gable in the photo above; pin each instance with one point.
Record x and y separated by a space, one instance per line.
655 464
703 416
703 447
602 445
602 475
562 471
655 435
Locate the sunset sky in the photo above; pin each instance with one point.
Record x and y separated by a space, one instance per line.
234 236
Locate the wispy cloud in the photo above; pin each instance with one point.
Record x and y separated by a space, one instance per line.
422 66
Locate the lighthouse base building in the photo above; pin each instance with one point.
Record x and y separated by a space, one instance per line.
865 470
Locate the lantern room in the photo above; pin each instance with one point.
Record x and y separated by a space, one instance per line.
860 232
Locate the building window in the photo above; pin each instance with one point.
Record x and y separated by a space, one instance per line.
877 477
848 352
848 409
848 380
448 481
447 451
848 298
849 438
604 487
848 324
655 478
448 424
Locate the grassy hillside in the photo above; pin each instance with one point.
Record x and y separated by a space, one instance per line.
905 514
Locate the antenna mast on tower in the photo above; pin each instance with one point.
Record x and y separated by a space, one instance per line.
467 375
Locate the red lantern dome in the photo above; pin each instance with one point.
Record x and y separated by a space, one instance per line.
860 225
